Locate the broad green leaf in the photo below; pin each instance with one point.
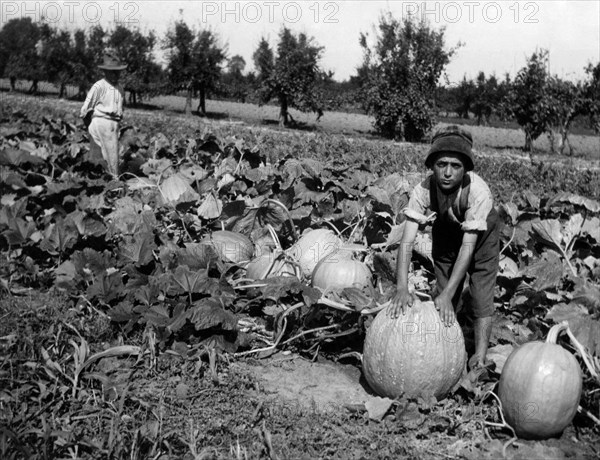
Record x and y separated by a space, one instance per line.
157 315
60 237
313 168
591 227
548 272
87 225
572 228
532 199
107 288
209 314
190 281
130 217
211 207
578 200
147 294
65 273
123 312
18 231
585 328
137 249
549 231
175 188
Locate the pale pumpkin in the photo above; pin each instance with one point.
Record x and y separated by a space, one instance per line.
269 265
337 271
313 246
540 387
231 246
414 354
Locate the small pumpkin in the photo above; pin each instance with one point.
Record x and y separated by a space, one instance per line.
231 246
313 246
337 271
540 387
414 354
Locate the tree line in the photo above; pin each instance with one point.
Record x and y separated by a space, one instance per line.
397 82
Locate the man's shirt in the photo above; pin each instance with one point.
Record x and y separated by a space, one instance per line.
105 100
479 204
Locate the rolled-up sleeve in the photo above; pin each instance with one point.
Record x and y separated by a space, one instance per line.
418 204
480 204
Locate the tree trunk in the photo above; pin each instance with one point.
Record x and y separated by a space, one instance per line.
34 87
528 142
188 100
61 91
13 83
202 103
283 111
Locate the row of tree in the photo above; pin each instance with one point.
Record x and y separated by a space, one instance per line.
397 81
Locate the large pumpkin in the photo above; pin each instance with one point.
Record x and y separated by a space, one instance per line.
540 387
269 265
313 246
414 354
231 246
337 271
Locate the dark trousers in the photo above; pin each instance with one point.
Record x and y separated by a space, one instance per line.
447 239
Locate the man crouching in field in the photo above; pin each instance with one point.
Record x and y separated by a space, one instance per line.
465 236
102 112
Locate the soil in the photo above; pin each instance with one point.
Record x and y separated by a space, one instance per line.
322 385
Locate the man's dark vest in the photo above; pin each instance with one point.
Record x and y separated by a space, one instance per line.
459 209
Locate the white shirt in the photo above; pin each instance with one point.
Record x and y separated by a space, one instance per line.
479 204
105 100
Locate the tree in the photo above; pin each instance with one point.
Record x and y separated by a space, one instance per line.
57 57
528 100
207 57
178 43
567 101
591 88
234 84
291 76
464 95
194 62
135 49
19 57
403 69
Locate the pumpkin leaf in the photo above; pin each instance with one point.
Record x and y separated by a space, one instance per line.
582 325
189 281
548 272
137 249
549 232
498 355
378 407
211 207
578 200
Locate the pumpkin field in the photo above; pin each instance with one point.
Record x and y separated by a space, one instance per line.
225 298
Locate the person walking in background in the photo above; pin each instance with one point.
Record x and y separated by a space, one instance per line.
465 235
102 112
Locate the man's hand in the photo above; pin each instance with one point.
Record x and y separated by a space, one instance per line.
401 300
87 119
443 303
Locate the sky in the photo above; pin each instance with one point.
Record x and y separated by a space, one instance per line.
496 36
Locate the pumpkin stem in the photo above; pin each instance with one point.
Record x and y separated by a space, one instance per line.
335 229
274 236
555 332
564 326
286 211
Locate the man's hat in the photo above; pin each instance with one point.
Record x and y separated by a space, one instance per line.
111 62
452 139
